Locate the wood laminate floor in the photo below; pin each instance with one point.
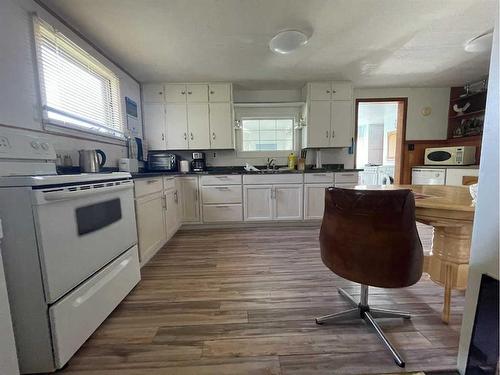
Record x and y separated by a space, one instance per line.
243 301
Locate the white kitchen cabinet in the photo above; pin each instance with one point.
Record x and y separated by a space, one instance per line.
341 131
314 201
221 126
221 196
153 93
197 93
454 176
222 213
320 90
175 93
176 128
287 202
198 126
219 92
319 124
190 199
172 221
257 202
341 90
154 124
150 225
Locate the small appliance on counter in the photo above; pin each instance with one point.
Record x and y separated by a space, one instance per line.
184 166
198 164
456 155
162 161
128 165
89 160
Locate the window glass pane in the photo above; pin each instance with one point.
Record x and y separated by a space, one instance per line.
267 134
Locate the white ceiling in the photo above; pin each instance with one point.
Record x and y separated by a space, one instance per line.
371 42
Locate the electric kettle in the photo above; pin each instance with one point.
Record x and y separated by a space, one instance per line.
89 160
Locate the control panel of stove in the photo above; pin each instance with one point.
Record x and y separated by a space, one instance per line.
18 145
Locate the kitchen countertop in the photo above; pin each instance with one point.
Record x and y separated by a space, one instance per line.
239 171
447 166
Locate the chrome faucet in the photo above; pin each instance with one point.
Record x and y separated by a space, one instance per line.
270 164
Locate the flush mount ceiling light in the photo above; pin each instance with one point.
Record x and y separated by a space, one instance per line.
481 43
287 41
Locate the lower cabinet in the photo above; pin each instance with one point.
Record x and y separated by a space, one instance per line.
150 225
314 201
172 219
272 202
190 204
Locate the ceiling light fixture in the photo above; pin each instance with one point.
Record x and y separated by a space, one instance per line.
481 43
287 41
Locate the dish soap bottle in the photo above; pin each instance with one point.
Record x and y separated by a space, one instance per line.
292 161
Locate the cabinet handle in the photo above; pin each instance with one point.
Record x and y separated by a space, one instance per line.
320 174
164 202
327 134
162 136
334 91
333 133
213 135
185 136
190 92
212 92
176 197
196 195
222 188
221 207
183 92
160 93
152 182
192 136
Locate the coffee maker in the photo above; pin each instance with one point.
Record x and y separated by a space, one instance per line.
198 164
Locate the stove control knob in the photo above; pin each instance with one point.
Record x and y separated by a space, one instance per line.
45 146
35 145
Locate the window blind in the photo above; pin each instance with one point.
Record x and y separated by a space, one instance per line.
77 90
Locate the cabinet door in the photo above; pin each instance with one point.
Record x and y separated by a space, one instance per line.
287 202
171 218
318 127
257 205
198 126
342 124
154 125
175 93
153 93
177 131
314 201
342 90
320 90
190 200
219 92
150 225
197 93
221 127
178 201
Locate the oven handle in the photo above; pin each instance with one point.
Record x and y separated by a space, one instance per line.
51 196
98 286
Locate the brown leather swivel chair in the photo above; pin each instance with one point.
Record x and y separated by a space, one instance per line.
370 237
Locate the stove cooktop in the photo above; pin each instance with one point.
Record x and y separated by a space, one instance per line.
58 179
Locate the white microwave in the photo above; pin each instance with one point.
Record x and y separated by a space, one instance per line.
456 155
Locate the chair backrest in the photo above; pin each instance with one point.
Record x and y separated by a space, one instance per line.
370 237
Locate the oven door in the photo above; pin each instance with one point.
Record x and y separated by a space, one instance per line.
80 229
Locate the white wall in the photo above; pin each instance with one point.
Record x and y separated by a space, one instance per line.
19 103
485 242
418 127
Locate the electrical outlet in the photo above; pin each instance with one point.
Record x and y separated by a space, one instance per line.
4 144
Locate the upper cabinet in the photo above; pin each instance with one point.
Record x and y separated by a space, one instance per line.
185 116
329 115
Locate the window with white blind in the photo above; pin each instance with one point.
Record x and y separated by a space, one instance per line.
267 134
77 90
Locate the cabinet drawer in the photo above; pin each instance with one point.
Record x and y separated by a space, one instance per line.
286 178
221 194
77 315
223 179
346 177
169 183
146 186
326 177
224 212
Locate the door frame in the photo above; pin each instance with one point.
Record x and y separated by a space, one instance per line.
401 133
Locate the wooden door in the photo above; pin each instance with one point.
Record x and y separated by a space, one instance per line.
257 203
154 125
177 131
287 202
221 126
198 126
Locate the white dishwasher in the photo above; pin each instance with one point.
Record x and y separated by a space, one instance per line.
428 176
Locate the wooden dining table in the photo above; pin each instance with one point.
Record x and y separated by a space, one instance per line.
450 211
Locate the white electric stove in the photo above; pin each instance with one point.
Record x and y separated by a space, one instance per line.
69 249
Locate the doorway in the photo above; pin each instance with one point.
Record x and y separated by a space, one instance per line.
380 130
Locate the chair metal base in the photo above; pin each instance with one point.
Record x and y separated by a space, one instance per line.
363 311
